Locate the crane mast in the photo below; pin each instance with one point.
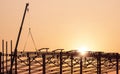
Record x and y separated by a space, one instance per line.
14 58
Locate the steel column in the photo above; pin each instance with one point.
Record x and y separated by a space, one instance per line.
71 64
81 65
61 62
44 63
0 62
3 56
16 63
6 56
99 63
117 63
29 62
11 52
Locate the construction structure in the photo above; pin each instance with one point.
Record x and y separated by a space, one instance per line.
58 61
44 61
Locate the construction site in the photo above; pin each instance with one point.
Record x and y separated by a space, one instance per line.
59 61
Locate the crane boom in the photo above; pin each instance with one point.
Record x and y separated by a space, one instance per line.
17 42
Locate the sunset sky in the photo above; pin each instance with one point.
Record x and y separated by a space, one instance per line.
67 24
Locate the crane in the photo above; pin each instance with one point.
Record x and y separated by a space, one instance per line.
17 42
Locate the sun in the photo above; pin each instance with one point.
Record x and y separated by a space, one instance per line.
83 50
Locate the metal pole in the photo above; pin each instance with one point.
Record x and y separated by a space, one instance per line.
16 63
15 50
61 62
0 62
99 63
81 65
29 63
6 56
44 64
3 56
71 64
11 52
117 63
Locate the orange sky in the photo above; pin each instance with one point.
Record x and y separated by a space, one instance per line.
67 24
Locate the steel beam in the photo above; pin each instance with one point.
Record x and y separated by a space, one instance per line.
0 62
29 63
11 52
72 64
44 64
61 62
99 63
6 56
81 65
117 63
3 56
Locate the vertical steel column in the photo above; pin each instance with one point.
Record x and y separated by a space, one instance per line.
29 62
117 63
44 64
61 62
3 56
99 63
81 65
0 62
71 64
6 56
16 63
11 52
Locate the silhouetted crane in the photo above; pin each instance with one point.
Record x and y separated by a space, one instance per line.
17 42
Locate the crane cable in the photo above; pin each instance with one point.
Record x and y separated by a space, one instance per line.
29 34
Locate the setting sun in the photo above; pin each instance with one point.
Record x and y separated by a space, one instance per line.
83 50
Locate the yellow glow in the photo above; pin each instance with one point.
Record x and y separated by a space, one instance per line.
83 50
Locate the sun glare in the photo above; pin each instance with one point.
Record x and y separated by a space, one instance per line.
83 50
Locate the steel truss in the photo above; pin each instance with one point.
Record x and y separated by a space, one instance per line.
61 62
